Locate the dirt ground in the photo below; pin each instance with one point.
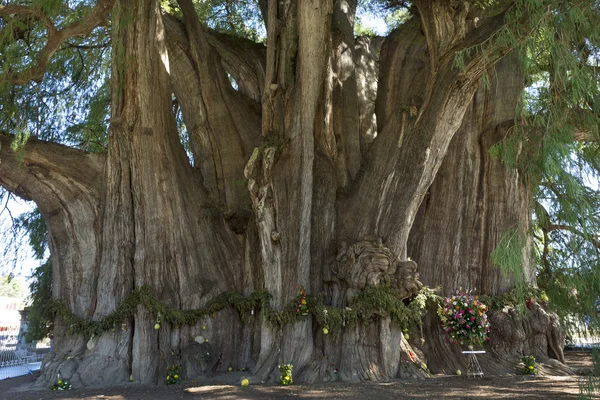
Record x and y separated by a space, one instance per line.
447 387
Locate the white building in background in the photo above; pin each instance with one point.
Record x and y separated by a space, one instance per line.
10 318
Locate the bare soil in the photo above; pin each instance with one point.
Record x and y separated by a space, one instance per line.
440 386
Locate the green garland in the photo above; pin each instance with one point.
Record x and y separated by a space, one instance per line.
515 298
374 300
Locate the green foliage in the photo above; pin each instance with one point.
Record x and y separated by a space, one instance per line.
508 256
41 318
61 385
530 365
30 227
555 145
173 374
63 106
238 18
35 226
360 29
396 18
589 386
372 302
285 374
11 287
393 12
515 298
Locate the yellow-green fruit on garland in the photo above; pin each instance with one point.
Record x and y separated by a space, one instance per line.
157 326
458 372
203 327
245 382
406 336
325 331
229 369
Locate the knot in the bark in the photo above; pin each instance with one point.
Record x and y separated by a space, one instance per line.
369 262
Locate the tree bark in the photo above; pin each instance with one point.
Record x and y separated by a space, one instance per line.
312 173
67 185
155 227
474 201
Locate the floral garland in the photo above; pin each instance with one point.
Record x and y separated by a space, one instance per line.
464 319
374 300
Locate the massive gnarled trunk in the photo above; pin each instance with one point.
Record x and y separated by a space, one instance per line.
474 201
315 172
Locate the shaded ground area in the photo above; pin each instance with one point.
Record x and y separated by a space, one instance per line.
449 387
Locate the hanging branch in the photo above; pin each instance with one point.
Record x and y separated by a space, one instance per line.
82 28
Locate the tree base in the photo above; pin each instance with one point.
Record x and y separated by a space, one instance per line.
513 336
99 361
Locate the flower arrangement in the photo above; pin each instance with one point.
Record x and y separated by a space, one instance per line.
62 385
530 365
301 305
285 371
464 319
173 372
333 373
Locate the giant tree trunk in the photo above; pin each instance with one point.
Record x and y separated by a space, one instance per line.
474 201
292 184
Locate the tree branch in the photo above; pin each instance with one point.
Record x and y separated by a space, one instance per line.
263 5
568 228
47 172
224 124
56 37
242 58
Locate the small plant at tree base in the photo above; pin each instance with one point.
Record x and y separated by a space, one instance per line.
205 356
530 365
285 371
62 385
464 319
301 304
173 372
333 373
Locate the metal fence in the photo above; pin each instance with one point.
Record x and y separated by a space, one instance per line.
19 358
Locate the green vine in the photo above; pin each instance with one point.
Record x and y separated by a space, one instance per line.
373 301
